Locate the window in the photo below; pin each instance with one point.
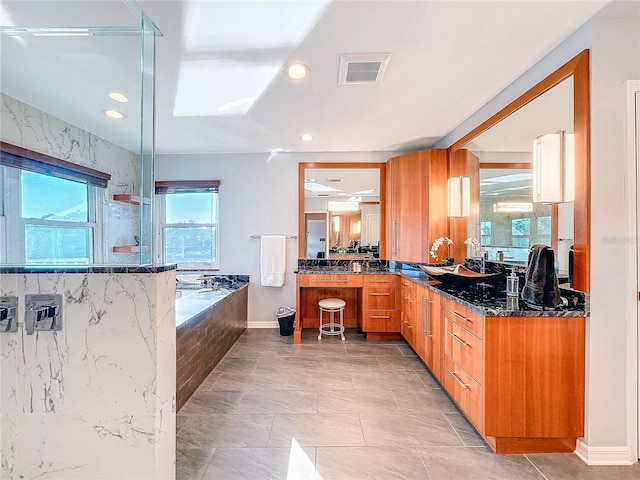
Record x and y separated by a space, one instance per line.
49 212
51 220
485 233
543 230
189 225
520 231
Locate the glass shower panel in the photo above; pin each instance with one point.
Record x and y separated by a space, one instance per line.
56 84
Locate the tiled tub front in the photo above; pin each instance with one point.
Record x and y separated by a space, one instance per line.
205 338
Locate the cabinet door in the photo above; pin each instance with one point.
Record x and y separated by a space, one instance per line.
435 333
407 183
408 318
422 325
417 203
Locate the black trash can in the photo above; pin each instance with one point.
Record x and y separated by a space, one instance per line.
287 319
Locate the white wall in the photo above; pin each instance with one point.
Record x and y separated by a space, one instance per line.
610 428
257 196
615 57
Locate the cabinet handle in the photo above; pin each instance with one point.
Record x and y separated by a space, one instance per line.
458 339
393 238
329 281
425 316
410 327
379 294
457 379
406 300
379 281
459 316
379 316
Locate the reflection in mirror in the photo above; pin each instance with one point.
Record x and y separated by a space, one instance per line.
342 212
510 222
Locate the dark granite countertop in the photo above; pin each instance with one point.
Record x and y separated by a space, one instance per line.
87 268
490 300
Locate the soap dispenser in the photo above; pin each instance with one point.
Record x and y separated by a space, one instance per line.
513 284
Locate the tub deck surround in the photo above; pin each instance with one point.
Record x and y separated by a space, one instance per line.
98 398
195 300
207 326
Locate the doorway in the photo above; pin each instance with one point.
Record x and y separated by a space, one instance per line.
315 234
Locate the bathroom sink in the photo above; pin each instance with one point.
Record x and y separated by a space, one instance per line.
458 275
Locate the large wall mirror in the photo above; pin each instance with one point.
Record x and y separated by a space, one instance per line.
510 221
341 210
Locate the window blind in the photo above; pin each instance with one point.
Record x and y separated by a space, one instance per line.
187 186
25 159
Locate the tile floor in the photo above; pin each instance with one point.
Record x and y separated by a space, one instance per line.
350 410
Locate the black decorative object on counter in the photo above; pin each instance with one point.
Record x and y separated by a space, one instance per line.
458 275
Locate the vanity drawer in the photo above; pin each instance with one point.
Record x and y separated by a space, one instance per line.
466 349
465 317
326 280
465 391
379 280
379 321
378 298
407 288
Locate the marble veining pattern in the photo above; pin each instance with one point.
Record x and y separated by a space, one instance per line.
106 380
28 127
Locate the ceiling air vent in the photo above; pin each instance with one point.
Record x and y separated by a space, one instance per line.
365 68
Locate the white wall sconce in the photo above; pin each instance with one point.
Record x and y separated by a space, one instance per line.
343 206
357 227
553 168
336 224
513 207
459 193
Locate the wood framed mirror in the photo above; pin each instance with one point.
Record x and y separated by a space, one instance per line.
352 231
576 69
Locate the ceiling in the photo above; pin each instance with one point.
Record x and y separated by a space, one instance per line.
220 77
342 183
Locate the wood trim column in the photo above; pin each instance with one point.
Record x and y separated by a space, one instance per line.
465 163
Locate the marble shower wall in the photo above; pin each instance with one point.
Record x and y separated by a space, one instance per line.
28 127
95 400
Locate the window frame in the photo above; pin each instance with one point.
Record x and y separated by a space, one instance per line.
160 221
526 236
13 228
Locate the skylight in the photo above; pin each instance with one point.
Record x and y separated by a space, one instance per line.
229 62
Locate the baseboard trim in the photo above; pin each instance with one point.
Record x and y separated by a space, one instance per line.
603 455
269 324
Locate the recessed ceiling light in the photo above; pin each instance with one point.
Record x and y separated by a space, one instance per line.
114 114
297 71
118 97
306 137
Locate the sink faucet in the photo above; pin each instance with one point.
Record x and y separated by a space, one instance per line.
484 256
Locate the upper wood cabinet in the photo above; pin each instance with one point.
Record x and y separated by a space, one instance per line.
416 203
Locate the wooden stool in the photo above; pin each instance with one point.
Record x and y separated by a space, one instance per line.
331 306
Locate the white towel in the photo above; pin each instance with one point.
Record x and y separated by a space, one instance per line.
273 256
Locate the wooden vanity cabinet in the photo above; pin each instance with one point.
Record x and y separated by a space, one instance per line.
407 294
519 380
379 303
429 331
416 203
